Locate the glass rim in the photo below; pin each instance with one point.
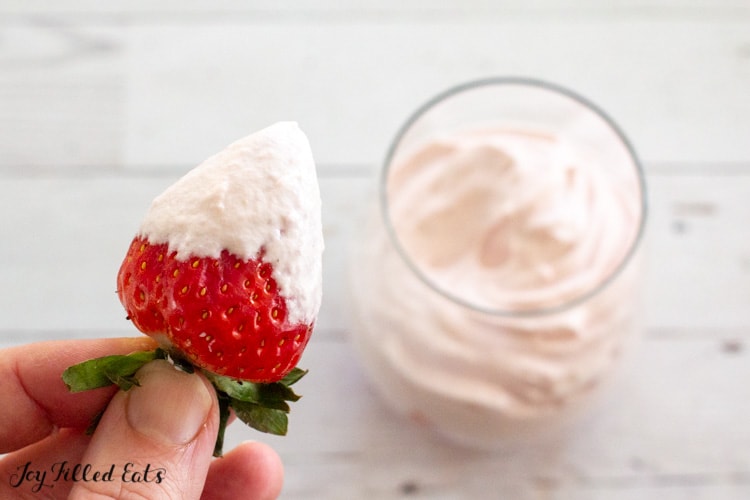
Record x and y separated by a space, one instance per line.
507 81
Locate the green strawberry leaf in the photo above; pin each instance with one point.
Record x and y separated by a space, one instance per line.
293 376
272 395
124 382
268 420
263 407
108 370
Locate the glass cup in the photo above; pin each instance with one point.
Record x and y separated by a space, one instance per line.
496 286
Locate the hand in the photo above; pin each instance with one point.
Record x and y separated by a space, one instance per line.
153 441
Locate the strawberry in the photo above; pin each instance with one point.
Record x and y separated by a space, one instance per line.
225 273
224 315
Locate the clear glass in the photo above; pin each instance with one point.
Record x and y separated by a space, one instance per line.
496 285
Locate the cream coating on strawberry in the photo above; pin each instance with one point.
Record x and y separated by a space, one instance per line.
261 192
225 271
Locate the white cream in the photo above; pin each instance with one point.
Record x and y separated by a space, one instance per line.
507 221
261 192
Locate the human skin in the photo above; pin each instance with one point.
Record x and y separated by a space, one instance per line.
168 424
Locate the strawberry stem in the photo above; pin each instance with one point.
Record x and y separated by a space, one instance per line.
224 411
262 406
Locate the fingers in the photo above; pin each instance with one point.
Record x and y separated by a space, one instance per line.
158 437
34 472
31 379
252 471
154 441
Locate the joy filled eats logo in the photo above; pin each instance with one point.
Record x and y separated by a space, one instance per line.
38 478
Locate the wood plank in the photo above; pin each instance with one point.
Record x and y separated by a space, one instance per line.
673 424
151 96
697 269
332 8
62 96
193 87
64 238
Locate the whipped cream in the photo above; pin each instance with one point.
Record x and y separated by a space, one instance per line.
260 193
519 223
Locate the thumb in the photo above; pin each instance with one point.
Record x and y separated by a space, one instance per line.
153 441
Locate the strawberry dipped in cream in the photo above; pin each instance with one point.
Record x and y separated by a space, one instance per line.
225 273
226 267
258 196
492 308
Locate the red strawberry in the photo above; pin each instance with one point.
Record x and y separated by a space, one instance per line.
224 315
226 275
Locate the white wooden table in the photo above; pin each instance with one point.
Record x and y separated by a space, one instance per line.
103 104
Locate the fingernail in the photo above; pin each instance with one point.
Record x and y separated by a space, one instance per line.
169 405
